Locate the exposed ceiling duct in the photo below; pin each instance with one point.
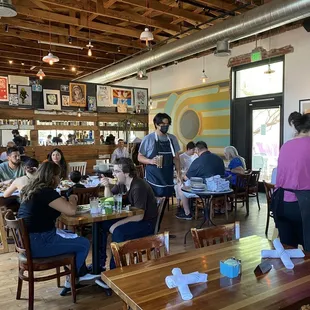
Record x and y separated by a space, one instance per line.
268 16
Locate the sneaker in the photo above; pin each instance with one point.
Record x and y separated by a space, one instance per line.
102 284
183 216
90 268
89 277
180 211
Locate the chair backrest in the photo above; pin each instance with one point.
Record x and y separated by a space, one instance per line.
20 235
269 188
139 250
242 182
160 210
218 234
84 194
140 171
79 166
254 178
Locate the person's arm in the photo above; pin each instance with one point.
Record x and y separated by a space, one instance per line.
178 166
10 190
108 191
235 166
142 155
147 161
66 207
239 170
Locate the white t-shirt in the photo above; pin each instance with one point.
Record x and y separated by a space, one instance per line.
4 156
186 160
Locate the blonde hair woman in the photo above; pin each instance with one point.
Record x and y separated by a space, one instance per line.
236 163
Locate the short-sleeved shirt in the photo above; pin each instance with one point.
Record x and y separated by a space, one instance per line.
6 173
206 165
118 153
37 214
140 195
234 163
293 171
148 144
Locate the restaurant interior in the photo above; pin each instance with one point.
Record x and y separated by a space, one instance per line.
149 154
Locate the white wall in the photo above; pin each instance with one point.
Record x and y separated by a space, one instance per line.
187 74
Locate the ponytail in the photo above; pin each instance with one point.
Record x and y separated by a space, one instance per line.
301 122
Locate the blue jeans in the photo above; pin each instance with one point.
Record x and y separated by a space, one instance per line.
128 231
48 244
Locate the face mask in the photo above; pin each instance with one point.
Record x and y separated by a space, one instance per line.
164 129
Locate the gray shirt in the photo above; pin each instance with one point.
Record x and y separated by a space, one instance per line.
6 173
148 144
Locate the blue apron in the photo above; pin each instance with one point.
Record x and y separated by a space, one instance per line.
161 179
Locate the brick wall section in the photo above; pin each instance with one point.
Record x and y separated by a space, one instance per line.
246 58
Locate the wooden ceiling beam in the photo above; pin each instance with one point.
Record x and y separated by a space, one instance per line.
219 5
41 5
100 9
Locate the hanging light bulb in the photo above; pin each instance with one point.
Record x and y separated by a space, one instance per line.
40 74
204 77
50 58
73 69
79 113
90 46
146 36
269 70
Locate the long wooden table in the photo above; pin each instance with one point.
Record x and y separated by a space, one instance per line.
95 220
142 286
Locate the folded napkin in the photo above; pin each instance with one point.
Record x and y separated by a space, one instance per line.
217 184
181 281
293 253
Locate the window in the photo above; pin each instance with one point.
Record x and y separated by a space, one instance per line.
254 82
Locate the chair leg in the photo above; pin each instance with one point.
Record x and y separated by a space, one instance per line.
73 277
125 307
226 207
19 288
58 277
257 201
247 205
31 292
267 225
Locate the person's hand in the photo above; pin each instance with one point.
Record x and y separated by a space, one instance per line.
179 178
105 181
73 199
153 161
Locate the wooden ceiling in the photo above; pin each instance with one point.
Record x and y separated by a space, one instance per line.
113 26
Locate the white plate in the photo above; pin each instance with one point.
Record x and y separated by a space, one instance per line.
196 189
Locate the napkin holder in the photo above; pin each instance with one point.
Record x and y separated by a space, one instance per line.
230 268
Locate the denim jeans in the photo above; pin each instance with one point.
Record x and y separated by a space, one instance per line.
48 244
128 231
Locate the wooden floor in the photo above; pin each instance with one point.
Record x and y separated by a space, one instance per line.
47 293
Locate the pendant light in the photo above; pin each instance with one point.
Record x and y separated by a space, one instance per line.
40 74
204 77
50 58
150 98
7 9
89 45
269 70
146 35
79 113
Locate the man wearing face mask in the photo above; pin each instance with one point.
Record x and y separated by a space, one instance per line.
160 143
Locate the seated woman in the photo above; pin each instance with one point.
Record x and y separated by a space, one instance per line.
30 168
57 156
236 164
40 206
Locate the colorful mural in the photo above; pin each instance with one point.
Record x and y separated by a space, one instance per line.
199 113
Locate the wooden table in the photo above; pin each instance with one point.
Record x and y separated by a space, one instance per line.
95 220
143 286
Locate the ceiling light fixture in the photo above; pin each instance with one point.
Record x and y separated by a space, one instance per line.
7 9
90 46
70 40
73 69
6 27
61 45
22 63
204 77
141 75
63 68
146 36
79 113
50 58
10 62
222 49
40 74
269 70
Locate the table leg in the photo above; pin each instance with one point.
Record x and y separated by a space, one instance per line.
95 248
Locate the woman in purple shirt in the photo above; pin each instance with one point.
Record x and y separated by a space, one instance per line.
292 208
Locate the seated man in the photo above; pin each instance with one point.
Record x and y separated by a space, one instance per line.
205 166
12 168
119 152
140 195
4 155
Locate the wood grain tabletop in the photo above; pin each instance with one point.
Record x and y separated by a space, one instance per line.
142 286
88 218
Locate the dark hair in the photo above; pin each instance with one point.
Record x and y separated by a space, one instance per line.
120 140
15 132
75 176
31 165
62 163
159 117
200 145
301 122
190 145
12 150
135 154
127 166
49 136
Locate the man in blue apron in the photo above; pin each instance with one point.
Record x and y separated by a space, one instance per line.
160 144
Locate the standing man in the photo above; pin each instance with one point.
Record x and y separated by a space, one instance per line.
18 139
159 143
119 152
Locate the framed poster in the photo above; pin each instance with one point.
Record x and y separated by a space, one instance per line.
64 88
36 87
77 95
104 96
18 80
4 92
304 106
24 95
122 96
91 103
141 99
13 100
65 100
51 98
13 89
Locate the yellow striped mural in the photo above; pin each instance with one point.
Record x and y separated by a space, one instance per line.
199 113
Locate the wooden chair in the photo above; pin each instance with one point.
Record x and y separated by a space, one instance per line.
4 248
84 194
160 210
253 186
31 265
140 171
209 236
106 158
269 188
79 166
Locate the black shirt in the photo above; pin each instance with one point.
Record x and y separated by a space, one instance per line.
37 214
206 166
70 190
140 195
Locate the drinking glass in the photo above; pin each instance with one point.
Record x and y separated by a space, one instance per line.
94 205
118 200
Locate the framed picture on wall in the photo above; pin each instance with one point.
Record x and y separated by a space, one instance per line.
141 99
91 103
13 89
77 95
104 96
51 98
24 95
304 106
65 101
4 92
122 96
64 88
